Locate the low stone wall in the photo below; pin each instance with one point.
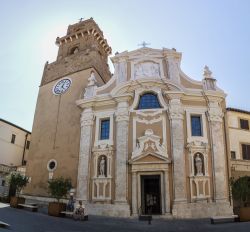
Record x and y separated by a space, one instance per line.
201 209
114 210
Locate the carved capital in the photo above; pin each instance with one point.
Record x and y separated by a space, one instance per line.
215 113
122 116
122 113
87 117
175 110
197 146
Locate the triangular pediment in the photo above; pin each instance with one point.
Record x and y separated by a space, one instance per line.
150 158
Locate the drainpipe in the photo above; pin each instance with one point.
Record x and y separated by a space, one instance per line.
24 147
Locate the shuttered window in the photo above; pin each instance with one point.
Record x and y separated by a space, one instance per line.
245 151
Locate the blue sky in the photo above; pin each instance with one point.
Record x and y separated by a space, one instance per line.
207 32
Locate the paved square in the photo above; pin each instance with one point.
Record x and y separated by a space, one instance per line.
22 220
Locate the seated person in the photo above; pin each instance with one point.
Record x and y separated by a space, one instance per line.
79 212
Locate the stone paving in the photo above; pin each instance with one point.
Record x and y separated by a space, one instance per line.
22 220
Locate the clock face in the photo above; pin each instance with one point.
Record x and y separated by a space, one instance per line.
61 86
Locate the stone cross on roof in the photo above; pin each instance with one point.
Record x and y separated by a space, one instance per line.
80 20
143 44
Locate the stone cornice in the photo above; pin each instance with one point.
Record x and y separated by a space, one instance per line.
84 33
95 101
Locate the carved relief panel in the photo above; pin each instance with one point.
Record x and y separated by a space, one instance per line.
147 69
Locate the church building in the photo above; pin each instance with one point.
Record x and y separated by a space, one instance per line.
146 140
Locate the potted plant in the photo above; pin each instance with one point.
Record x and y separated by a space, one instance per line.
58 188
17 182
241 195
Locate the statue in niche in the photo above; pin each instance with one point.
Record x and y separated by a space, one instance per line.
76 50
102 166
198 165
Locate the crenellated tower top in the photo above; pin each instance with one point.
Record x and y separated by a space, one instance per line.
81 48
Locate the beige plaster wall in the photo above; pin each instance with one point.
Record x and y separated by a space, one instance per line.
56 132
237 136
11 154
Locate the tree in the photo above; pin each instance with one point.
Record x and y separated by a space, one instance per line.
59 187
18 181
241 190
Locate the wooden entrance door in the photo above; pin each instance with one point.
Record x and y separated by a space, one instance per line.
151 194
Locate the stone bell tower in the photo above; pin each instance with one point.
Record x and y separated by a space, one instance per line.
54 150
82 47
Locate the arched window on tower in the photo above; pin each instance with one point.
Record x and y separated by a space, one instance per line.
148 101
74 50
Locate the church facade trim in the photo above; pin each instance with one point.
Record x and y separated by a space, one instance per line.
131 159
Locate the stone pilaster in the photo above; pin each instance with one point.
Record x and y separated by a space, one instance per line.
121 172
87 121
215 117
177 149
134 194
167 192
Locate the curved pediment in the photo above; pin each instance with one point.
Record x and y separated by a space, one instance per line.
148 84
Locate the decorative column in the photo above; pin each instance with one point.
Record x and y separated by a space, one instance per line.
87 121
121 172
134 194
215 117
177 148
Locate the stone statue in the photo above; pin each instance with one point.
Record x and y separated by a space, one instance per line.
102 167
76 50
92 80
198 165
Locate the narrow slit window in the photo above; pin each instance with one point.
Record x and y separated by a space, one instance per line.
13 138
28 144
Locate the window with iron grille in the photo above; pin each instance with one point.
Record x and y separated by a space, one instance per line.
104 132
196 125
148 101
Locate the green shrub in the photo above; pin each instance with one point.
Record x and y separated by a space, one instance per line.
241 190
17 182
59 187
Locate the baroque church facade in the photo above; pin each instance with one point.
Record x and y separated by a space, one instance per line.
146 140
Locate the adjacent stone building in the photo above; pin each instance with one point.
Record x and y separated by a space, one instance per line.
239 142
147 139
14 149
